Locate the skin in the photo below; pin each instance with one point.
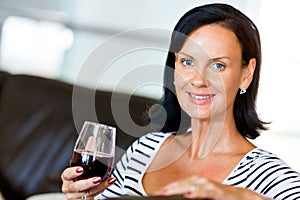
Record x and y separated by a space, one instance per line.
217 73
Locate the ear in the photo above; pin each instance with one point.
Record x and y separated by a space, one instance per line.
247 74
176 56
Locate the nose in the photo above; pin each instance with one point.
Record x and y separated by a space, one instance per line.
197 78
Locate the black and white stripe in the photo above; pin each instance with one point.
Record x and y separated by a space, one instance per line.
259 170
266 174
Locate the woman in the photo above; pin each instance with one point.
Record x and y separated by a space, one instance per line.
211 82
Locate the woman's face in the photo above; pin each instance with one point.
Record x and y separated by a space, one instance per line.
209 72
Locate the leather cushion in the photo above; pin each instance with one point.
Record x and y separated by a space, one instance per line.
38 130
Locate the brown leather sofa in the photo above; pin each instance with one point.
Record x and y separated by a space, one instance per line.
38 129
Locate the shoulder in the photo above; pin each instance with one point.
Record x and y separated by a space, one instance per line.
150 140
146 145
266 173
262 159
259 165
259 161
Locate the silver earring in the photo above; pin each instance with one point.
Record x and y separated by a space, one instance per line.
243 91
174 82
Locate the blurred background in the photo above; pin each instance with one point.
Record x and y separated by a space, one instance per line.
121 46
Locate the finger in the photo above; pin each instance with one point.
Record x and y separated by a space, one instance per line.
84 195
208 190
203 188
71 173
83 185
73 196
90 193
184 186
90 187
101 187
173 189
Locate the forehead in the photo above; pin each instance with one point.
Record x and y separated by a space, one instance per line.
213 41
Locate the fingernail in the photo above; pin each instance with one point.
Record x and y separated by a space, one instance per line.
187 194
97 180
79 170
111 180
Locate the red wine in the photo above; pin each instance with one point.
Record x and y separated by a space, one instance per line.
93 165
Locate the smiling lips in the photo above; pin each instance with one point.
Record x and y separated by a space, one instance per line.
201 99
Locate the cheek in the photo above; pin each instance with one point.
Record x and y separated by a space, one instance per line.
230 88
179 78
181 84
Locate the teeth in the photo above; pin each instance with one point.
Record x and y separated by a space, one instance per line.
200 97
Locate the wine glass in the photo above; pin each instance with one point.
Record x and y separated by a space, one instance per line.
94 150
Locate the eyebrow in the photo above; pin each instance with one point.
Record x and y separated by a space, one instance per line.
213 59
185 54
220 58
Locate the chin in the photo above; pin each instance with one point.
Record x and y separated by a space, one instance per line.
200 116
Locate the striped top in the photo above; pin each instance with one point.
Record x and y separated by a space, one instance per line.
258 170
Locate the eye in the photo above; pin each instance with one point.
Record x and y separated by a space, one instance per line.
218 66
187 62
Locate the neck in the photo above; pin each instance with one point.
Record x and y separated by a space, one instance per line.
215 136
205 135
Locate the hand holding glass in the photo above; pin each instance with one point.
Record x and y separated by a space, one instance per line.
94 150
